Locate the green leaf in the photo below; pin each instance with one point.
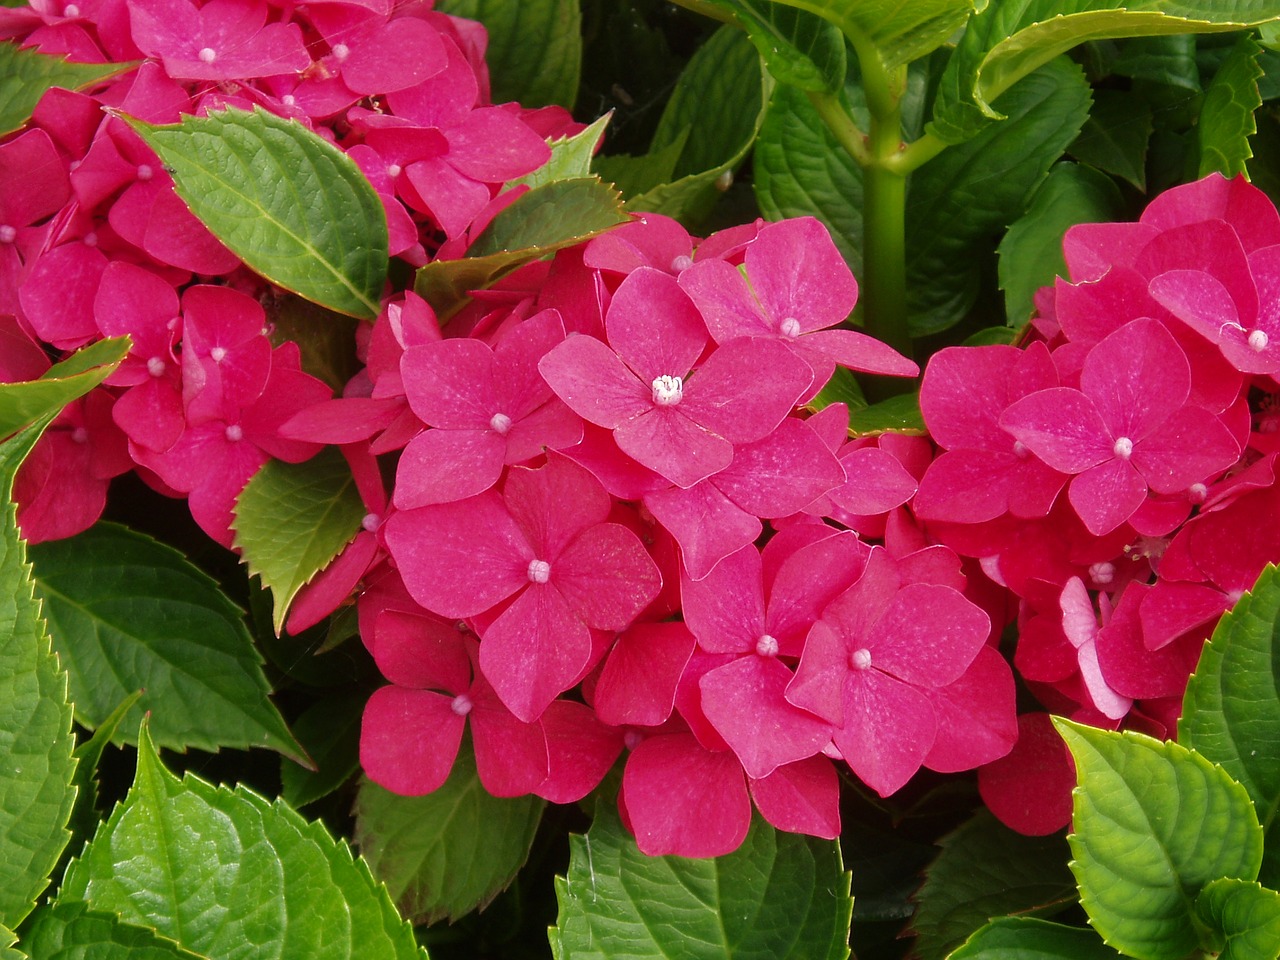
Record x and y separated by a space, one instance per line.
959 203
326 340
329 730
900 414
1019 938
449 852
1115 137
1168 60
636 175
1008 40
798 47
1226 119
7 940
1247 915
36 762
25 75
535 47
128 613
544 220
1153 824
291 205
779 895
84 815
841 388
71 931
1031 252
1230 712
227 874
292 519
986 870
26 402
570 157
716 110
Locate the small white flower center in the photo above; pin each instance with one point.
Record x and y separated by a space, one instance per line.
539 571
218 354
80 435
341 51
90 239
790 327
1197 493
145 172
1123 448
681 263
71 11
1103 572
632 739
7 233
1258 340
767 646
500 424
371 522
461 705
234 433
667 391
860 659
172 323
289 100
207 55
394 170
1020 450
155 367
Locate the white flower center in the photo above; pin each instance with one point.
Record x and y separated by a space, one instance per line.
790 327
767 646
500 424
80 435
539 571
1020 450
394 170
90 239
289 100
667 391
860 659
145 172
218 354
461 705
155 367
1197 493
7 233
1258 340
1103 572
1123 448
371 522
234 433
207 55
341 51
681 263
71 11
632 739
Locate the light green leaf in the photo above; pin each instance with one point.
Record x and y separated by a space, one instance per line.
7 940
544 220
329 730
1114 138
1019 938
291 205
25 75
292 519
841 388
227 874
25 403
535 47
1154 823
1031 252
1230 712
986 870
449 852
1010 39
1247 915
779 895
636 175
128 613
36 762
570 157
900 414
799 48
71 931
1226 119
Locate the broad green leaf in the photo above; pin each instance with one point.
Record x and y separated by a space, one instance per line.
1168 60
1021 938
128 613
841 388
1230 712
449 852
636 175
798 47
1114 138
84 815
1153 824
291 205
716 110
71 931
535 47
329 730
986 870
1226 119
26 402
25 75
292 519
1010 39
325 339
7 949
1031 252
544 220
36 762
1246 914
228 874
900 414
779 895
570 157
959 203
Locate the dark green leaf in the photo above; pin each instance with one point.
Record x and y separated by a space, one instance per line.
1226 119
991 335
1031 252
70 931
1169 60
24 403
900 414
84 816
26 74
291 205
1154 823
127 614
451 851
330 733
535 47
326 340
1018 938
1115 137
1247 915
986 870
779 895
799 48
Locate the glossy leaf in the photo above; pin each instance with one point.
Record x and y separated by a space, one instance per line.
292 519
841 388
288 203
535 47
329 730
1114 138
1246 914
1019 938
1031 252
799 48
1009 40
450 852
900 414
129 613
570 156
26 402
1230 712
222 872
899 32
1153 824
779 895
984 870
1226 118
36 762
71 931
25 75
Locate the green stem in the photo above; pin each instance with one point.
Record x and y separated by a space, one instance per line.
841 125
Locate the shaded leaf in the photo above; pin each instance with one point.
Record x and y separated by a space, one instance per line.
799 48
900 32
71 931
1247 915
1226 119
326 340
25 75
329 730
900 414
1018 938
1114 138
841 388
1168 60
26 402
84 816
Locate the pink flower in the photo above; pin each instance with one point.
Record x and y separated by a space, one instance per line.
221 40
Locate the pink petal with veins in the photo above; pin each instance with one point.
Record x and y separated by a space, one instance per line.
409 739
